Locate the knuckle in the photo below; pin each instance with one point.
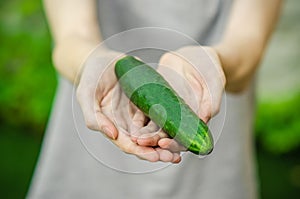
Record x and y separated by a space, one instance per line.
91 124
166 57
217 110
126 150
138 120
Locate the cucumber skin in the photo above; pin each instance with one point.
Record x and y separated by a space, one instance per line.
146 88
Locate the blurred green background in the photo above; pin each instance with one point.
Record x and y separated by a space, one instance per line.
28 82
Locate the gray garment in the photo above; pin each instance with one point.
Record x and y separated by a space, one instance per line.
66 170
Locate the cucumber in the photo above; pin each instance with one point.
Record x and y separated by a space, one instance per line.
153 95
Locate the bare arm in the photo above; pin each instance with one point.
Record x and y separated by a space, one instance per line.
76 33
248 31
238 55
75 30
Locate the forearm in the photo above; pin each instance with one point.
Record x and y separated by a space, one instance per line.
68 56
249 28
75 30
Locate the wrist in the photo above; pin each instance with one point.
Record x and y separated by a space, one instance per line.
239 62
70 54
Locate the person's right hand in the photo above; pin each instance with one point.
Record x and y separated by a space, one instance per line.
107 109
196 74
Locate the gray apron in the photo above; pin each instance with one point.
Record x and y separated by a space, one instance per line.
67 168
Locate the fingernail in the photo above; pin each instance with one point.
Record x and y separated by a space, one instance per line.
109 133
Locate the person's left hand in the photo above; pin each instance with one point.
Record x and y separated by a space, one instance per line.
106 108
195 73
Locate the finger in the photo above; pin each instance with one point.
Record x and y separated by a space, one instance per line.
171 144
138 122
212 99
138 119
94 118
144 130
151 138
150 134
126 145
197 91
205 111
105 125
165 155
176 158
150 128
99 122
132 109
145 154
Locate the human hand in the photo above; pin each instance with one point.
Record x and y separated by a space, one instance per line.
108 110
196 75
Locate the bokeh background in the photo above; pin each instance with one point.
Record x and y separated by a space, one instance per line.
28 82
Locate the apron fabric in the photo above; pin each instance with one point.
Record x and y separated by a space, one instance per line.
67 170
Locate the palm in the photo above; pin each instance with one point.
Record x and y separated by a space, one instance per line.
116 106
107 109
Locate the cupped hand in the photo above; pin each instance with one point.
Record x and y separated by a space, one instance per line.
106 109
197 76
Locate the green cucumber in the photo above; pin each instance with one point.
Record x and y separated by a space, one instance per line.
153 95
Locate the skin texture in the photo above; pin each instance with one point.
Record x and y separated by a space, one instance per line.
76 32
